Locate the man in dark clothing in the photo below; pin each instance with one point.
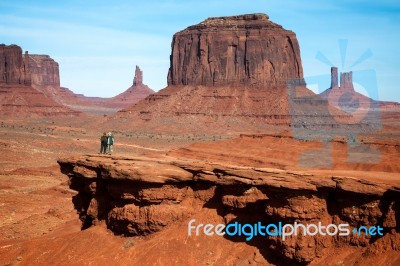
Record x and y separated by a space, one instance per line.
103 143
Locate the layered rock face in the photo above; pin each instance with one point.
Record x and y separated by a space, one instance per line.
44 70
140 196
14 67
236 50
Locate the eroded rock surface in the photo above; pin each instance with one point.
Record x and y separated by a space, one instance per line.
140 196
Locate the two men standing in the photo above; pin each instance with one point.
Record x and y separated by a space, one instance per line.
106 143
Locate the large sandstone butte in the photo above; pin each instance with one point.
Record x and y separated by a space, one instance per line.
236 50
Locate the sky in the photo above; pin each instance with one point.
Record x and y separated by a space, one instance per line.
98 43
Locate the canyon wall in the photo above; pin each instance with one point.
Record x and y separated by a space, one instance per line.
235 50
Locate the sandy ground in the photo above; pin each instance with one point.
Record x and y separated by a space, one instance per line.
38 224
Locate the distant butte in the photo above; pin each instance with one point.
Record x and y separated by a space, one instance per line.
18 97
138 91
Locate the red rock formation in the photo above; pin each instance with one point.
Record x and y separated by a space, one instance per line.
345 98
346 80
334 77
44 70
140 196
246 49
138 78
138 91
17 96
227 74
14 68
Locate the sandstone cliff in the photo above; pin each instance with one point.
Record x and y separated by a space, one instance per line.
236 50
141 196
14 67
44 70
45 77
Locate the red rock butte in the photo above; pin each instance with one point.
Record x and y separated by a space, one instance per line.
246 49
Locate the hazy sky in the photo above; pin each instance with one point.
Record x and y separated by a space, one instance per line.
98 43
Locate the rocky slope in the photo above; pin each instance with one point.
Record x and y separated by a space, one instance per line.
18 101
141 196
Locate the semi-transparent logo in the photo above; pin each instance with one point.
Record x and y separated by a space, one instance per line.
249 231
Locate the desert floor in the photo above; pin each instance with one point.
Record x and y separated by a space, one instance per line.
38 222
